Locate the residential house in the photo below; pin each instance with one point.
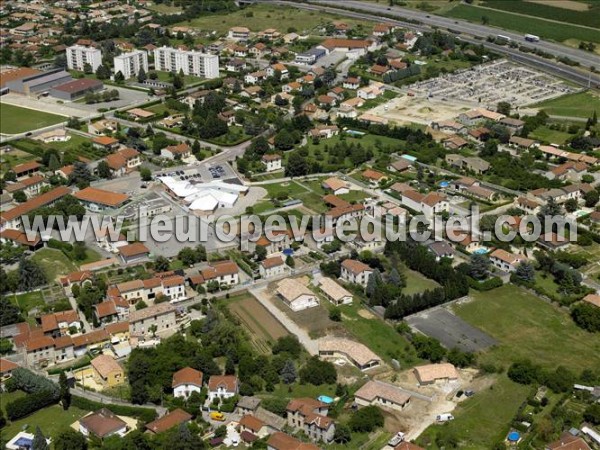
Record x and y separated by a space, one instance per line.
477 115
154 319
80 279
514 126
429 205
102 424
379 393
179 151
527 205
372 91
354 352
59 324
324 131
470 163
355 272
255 77
521 143
441 249
106 143
272 267
186 381
374 177
31 186
400 165
454 142
435 373
568 441
336 186
222 386
170 420
310 416
506 261
282 441
250 424
351 83
272 162
335 293
133 253
239 33
107 371
296 294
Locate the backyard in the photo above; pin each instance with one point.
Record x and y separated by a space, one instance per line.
528 327
14 119
415 282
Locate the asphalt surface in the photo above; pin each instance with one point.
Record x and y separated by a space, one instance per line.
374 12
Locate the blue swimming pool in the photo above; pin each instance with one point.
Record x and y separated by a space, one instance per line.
325 399
444 184
514 436
481 251
24 442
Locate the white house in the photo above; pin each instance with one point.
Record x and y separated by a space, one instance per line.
356 272
506 261
272 162
222 386
186 381
296 294
374 90
336 186
272 267
335 293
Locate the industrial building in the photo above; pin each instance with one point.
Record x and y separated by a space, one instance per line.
38 83
76 88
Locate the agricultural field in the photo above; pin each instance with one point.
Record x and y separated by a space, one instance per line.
13 158
261 325
261 17
77 145
578 13
546 134
14 119
582 104
546 29
527 327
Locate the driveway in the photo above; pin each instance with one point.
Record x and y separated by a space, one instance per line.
263 296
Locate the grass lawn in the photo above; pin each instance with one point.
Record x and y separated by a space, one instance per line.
291 188
90 256
51 421
354 196
483 419
234 136
54 263
527 327
187 79
261 17
415 282
547 283
14 119
551 136
377 335
313 201
73 145
540 27
14 158
581 104
28 301
301 390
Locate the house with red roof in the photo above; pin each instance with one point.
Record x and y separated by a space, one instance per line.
186 381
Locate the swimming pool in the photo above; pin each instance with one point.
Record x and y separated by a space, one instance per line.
481 251
444 184
325 399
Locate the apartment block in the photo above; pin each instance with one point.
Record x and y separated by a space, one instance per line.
130 64
168 59
78 56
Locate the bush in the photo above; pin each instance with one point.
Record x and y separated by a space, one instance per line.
143 414
486 285
318 372
366 419
24 406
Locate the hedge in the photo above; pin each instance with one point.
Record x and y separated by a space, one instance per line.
486 285
143 414
24 406
78 365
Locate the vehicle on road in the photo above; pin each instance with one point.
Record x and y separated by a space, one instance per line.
532 38
446 417
218 416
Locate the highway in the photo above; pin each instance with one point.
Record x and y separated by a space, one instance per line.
374 12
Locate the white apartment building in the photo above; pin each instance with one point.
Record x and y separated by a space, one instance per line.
78 56
130 64
169 59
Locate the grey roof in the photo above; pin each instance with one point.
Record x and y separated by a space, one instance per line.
249 403
441 248
271 419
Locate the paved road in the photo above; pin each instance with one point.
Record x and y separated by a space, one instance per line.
374 12
97 397
309 344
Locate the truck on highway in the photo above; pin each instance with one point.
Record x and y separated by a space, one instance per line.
501 37
532 38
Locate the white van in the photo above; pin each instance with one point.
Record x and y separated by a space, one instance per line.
444 417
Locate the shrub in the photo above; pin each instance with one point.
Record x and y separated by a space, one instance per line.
24 406
366 419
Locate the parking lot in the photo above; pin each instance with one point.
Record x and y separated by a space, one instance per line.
204 172
450 330
494 82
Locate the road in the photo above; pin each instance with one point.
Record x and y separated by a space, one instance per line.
97 397
378 13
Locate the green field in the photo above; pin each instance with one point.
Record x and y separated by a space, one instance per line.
291 188
415 282
527 327
540 27
54 263
261 17
582 104
482 420
589 17
14 119
51 420
75 145
377 335
545 134
28 300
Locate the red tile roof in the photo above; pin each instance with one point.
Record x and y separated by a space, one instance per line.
187 375
35 203
101 197
169 421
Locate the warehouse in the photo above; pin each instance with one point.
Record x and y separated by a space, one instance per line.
40 83
76 88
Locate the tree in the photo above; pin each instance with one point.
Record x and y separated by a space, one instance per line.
289 345
260 253
141 76
65 391
571 205
9 313
102 72
79 251
504 108
587 316
70 439
81 175
366 419
87 68
187 256
479 266
39 440
592 414
524 372
318 372
31 275
229 367
20 196
428 348
525 272
161 264
153 329
396 278
342 434
119 77
289 261
288 372
335 314
6 346
485 20
104 170
373 282
591 198
145 174
140 304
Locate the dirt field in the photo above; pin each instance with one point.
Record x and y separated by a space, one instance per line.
564 4
405 109
260 323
